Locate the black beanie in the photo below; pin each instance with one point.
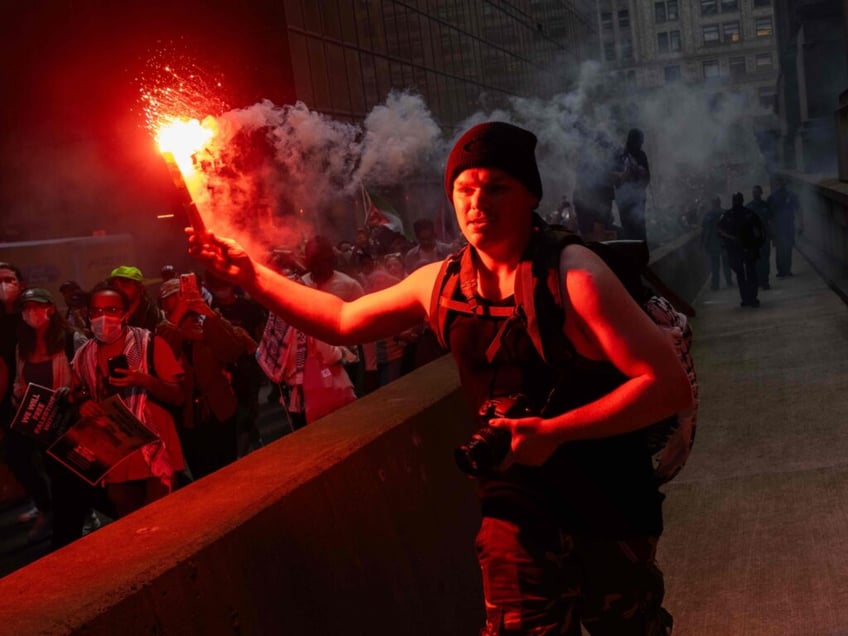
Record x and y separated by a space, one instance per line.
496 145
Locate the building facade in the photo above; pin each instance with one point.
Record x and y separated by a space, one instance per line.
461 55
728 44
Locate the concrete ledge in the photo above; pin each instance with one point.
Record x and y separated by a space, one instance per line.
358 524
682 264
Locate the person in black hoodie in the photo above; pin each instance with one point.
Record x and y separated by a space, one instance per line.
632 179
743 235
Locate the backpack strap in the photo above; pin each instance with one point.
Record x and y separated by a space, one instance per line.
458 277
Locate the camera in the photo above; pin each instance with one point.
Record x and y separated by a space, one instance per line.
488 446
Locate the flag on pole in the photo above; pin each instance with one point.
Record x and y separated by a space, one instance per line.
378 211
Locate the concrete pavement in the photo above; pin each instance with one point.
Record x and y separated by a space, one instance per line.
756 538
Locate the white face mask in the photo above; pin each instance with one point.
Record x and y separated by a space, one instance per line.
107 329
36 317
9 291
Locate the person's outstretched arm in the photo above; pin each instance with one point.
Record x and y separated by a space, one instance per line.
314 312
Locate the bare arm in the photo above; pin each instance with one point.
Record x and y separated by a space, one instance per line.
319 314
608 324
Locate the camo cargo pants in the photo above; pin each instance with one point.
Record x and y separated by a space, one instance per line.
538 581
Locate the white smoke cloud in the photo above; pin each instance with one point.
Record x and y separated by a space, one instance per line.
269 159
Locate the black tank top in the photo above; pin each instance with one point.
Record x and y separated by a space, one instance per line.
604 488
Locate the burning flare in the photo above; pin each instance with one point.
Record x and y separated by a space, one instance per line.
182 139
179 140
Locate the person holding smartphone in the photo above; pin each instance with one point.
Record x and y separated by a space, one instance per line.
141 368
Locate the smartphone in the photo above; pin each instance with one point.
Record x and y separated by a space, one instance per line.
188 286
118 362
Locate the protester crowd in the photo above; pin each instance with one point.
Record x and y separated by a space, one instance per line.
193 355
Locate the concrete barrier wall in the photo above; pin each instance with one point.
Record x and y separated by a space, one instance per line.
357 524
682 265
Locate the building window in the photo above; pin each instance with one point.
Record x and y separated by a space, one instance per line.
623 19
729 5
606 21
763 27
671 9
766 97
672 73
737 66
666 10
662 43
626 49
730 32
711 69
674 40
711 34
763 61
762 3
609 51
709 7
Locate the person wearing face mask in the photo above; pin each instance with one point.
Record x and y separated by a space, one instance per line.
151 379
46 344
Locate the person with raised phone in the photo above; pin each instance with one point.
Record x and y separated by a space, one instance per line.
572 514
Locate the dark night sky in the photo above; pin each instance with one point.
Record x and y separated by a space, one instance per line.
73 149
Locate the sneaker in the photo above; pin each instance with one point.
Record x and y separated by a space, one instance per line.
29 515
42 528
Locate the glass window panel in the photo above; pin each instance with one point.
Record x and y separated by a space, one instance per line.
762 3
674 40
355 82
384 77
662 42
318 69
300 68
711 34
729 5
337 74
731 32
659 12
330 16
763 27
623 18
736 66
609 51
347 19
606 20
294 13
671 9
763 61
709 7
672 73
711 68
312 17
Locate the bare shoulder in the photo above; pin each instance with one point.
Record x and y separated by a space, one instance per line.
585 277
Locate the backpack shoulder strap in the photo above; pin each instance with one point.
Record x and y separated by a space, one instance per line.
455 289
538 293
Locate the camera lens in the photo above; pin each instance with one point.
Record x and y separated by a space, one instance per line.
484 452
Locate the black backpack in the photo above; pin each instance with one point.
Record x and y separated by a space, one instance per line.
539 308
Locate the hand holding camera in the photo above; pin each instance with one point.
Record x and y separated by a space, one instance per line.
489 446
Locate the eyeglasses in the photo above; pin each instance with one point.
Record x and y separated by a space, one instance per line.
94 312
